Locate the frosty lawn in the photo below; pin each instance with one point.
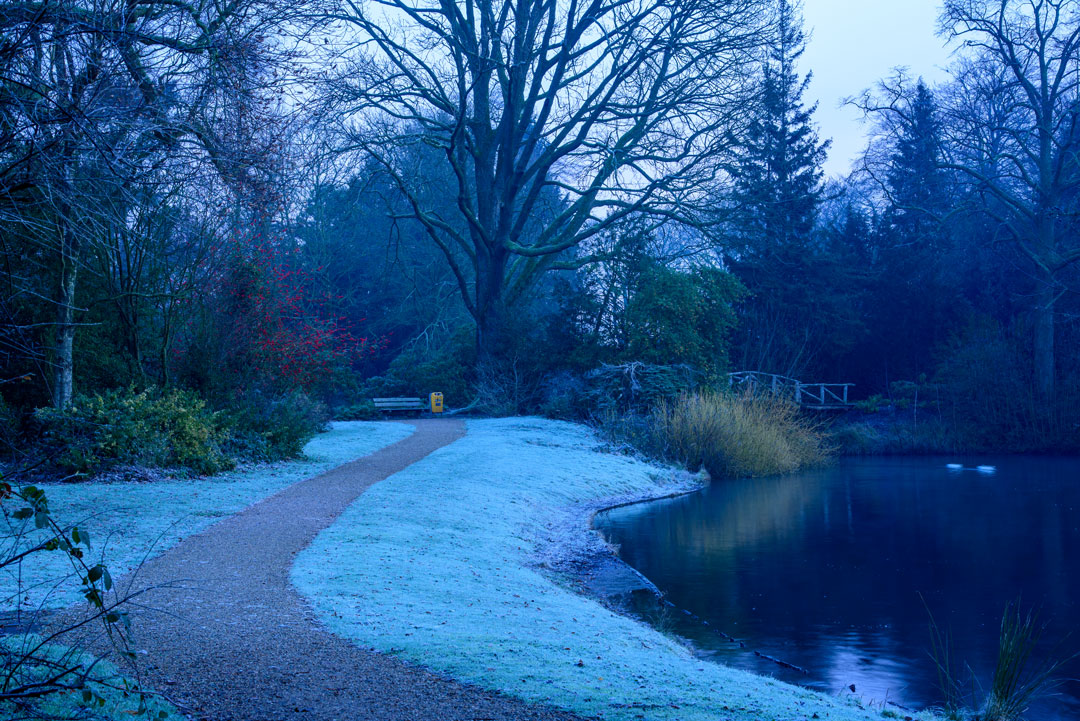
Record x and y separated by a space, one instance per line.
438 564
130 521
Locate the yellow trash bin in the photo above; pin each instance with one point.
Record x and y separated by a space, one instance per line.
436 403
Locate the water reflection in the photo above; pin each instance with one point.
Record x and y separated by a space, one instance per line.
829 570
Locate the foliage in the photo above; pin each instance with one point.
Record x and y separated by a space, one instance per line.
891 432
1020 676
9 427
274 331
562 396
636 386
735 436
682 318
149 427
987 394
447 367
36 671
269 427
363 410
873 404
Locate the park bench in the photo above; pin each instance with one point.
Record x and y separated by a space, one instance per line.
400 405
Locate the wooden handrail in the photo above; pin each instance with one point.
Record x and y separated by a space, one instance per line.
810 395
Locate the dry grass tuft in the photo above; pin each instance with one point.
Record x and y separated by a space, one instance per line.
735 436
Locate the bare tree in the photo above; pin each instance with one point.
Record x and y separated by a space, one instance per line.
558 118
1010 119
101 99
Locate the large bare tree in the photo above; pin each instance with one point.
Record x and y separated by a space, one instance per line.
558 119
1012 117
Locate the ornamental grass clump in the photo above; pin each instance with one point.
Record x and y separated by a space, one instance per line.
1018 677
734 436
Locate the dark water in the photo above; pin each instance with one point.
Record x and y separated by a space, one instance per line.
825 569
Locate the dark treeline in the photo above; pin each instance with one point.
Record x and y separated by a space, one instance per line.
241 202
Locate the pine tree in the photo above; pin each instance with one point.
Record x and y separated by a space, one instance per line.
917 185
778 188
917 296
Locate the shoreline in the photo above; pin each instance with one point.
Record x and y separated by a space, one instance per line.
479 556
620 598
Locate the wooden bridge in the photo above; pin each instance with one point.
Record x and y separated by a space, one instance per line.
812 396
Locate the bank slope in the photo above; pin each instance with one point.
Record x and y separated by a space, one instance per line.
438 564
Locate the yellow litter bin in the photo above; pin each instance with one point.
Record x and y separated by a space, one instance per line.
436 403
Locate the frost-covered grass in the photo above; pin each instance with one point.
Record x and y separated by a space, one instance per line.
438 564
130 521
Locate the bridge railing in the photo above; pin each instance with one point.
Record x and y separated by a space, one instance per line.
822 395
807 395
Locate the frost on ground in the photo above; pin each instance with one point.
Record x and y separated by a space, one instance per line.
445 564
131 521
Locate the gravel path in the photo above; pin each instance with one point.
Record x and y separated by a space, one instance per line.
234 641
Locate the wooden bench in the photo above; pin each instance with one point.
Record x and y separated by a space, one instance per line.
400 405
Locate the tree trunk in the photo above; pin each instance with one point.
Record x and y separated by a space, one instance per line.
63 377
491 309
1043 354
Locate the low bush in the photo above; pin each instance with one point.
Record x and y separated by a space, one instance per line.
562 396
635 387
893 432
735 436
270 427
987 396
150 427
448 368
362 411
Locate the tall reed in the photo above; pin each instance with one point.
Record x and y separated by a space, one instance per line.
734 436
1016 682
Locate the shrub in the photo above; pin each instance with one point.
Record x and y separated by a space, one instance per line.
635 387
873 404
364 410
987 395
735 436
418 371
271 427
562 396
151 428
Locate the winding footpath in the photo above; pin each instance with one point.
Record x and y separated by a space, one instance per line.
225 636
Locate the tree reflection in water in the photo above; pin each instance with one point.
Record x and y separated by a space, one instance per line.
824 569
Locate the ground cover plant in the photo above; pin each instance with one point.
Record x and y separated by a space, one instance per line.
439 565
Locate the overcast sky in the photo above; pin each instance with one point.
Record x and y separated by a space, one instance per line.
855 43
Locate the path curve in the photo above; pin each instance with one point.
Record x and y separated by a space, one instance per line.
235 641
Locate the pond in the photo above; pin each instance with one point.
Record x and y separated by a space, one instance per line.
839 570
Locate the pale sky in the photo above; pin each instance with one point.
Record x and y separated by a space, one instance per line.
855 43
